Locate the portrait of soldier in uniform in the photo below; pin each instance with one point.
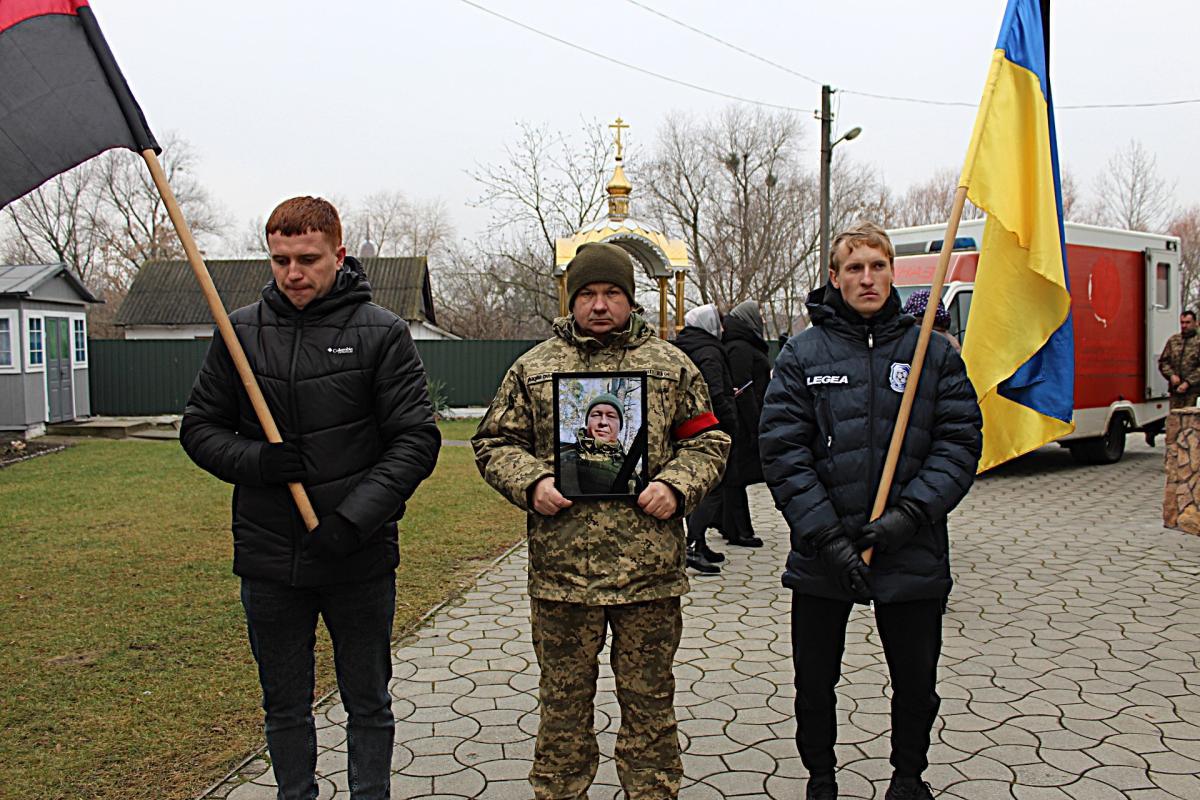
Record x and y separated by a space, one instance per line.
602 441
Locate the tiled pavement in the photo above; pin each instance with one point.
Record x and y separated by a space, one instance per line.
1071 667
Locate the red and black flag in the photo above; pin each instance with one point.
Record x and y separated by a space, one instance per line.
62 97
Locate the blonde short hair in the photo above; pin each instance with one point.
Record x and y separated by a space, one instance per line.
859 233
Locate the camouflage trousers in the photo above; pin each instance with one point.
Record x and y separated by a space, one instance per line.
567 638
1187 400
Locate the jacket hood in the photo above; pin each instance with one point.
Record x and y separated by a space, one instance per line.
635 333
750 313
350 286
827 307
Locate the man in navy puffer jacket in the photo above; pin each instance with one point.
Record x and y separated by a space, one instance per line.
825 429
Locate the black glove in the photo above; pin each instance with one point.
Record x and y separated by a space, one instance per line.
281 463
841 560
892 530
334 538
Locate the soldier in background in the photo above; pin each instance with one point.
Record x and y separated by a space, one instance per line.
1180 365
1180 362
598 566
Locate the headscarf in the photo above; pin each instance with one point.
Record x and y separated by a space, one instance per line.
749 313
706 318
919 300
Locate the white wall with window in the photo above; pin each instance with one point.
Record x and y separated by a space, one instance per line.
10 339
35 342
79 345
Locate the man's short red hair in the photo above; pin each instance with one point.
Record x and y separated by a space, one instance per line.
301 215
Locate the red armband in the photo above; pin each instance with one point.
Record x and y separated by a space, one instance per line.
695 425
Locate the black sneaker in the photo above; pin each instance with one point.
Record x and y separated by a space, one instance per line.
821 787
710 555
746 541
908 789
700 563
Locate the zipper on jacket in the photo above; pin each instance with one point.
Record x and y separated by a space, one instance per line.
871 418
293 409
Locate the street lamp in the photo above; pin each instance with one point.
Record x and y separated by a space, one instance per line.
826 162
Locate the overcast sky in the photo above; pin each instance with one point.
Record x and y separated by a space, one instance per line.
312 97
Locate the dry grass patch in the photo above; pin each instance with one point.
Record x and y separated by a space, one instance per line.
124 667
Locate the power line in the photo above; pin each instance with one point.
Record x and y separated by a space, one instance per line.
891 97
730 45
633 67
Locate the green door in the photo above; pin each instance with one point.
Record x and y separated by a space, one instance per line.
58 369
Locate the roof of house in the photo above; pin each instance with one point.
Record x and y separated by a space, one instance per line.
166 292
24 279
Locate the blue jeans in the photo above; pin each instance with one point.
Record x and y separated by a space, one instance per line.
282 622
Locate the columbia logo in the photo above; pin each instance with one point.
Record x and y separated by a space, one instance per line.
814 380
341 351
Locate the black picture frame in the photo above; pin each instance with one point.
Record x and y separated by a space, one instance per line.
592 467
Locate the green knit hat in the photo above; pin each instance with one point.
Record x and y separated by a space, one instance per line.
605 399
599 263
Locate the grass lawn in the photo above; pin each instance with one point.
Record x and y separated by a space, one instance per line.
459 429
124 667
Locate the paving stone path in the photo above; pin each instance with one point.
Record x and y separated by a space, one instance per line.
1071 668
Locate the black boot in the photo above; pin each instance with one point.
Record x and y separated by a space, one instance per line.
746 540
821 787
908 789
701 564
710 555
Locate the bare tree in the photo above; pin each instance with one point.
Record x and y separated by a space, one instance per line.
734 188
253 239
1186 225
398 226
134 225
1131 194
930 202
739 190
548 186
1069 188
57 223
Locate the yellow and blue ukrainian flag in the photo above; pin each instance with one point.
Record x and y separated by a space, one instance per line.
1019 347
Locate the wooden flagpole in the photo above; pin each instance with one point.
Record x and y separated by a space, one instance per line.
914 373
222 319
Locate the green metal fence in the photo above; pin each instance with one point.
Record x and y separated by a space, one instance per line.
470 371
134 377
131 377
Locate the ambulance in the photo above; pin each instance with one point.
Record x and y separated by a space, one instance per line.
1125 303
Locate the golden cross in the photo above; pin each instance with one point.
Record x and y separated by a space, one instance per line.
618 126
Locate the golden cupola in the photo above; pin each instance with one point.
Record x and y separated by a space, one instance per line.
663 259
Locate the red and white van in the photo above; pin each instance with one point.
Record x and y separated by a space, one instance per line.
1124 303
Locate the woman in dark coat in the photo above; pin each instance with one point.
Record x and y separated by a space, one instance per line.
750 369
700 339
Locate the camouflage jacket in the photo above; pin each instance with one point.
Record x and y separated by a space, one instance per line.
592 467
603 552
1181 357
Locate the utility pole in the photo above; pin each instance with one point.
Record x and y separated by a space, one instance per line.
826 160
827 145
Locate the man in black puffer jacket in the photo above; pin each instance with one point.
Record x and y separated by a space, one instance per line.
826 425
347 390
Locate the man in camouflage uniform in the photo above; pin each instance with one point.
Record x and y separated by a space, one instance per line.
598 565
1180 362
592 463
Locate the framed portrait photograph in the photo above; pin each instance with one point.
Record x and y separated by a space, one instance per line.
600 428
